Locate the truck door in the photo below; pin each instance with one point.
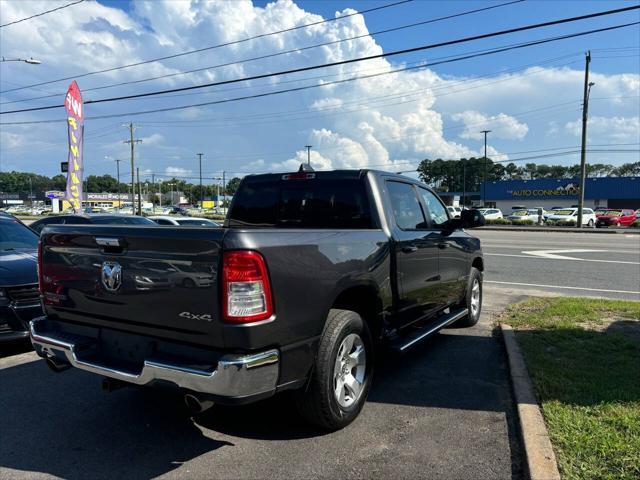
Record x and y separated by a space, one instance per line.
416 253
453 258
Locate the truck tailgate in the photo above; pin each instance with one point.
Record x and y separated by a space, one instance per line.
155 281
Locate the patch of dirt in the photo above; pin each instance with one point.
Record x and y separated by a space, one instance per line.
628 327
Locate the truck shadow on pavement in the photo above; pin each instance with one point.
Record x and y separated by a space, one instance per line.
64 425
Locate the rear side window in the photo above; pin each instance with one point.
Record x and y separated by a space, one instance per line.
406 207
311 203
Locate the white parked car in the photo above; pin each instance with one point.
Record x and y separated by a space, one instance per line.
182 221
525 214
568 215
454 212
491 213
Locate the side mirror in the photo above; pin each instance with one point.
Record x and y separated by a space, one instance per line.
471 219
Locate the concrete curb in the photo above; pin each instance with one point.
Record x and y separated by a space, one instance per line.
539 456
508 228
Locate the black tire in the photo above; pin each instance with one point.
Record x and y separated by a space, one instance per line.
317 402
472 318
590 224
188 283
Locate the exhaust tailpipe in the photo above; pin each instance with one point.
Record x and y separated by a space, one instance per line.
196 403
56 365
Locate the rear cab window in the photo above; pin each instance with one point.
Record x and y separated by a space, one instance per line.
311 200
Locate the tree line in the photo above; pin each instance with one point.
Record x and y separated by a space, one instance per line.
468 174
24 183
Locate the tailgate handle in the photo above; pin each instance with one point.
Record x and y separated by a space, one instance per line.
109 242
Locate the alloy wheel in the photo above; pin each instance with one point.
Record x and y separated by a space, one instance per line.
349 370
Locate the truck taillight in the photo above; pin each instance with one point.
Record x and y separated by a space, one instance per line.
246 291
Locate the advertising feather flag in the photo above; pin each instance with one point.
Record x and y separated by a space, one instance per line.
75 125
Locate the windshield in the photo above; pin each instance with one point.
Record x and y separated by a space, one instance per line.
566 211
14 235
121 221
521 213
193 221
610 213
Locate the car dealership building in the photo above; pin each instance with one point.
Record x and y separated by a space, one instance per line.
611 192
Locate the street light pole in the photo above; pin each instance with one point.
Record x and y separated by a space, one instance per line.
583 148
31 61
118 174
308 147
484 183
201 193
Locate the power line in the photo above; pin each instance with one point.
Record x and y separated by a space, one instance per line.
42 13
235 42
360 59
285 52
167 109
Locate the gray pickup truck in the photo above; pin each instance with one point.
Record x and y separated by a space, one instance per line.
312 275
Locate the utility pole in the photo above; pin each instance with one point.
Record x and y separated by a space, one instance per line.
224 188
201 193
484 183
308 147
464 181
132 142
139 191
153 194
583 148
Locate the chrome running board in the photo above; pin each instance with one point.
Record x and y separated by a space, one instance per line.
407 341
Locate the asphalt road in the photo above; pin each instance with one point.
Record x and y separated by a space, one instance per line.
568 264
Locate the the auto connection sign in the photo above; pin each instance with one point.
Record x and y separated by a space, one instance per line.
75 125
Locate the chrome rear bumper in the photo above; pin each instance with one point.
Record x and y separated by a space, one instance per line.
234 376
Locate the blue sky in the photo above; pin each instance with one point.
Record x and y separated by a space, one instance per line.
433 112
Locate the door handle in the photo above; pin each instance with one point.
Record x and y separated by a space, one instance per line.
410 249
443 245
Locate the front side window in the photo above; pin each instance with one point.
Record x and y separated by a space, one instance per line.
437 212
406 207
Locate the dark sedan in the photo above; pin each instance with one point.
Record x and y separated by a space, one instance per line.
19 296
96 219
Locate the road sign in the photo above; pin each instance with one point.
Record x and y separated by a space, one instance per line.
55 194
64 167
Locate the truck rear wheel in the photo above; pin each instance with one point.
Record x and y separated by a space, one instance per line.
341 377
472 300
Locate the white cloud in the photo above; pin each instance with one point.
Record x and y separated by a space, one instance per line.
501 125
11 140
326 103
177 171
153 139
608 128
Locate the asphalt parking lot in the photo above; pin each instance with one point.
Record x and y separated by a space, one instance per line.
442 411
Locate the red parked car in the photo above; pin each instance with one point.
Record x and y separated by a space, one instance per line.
615 217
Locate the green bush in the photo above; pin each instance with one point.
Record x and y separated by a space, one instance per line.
561 223
635 224
525 222
496 221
